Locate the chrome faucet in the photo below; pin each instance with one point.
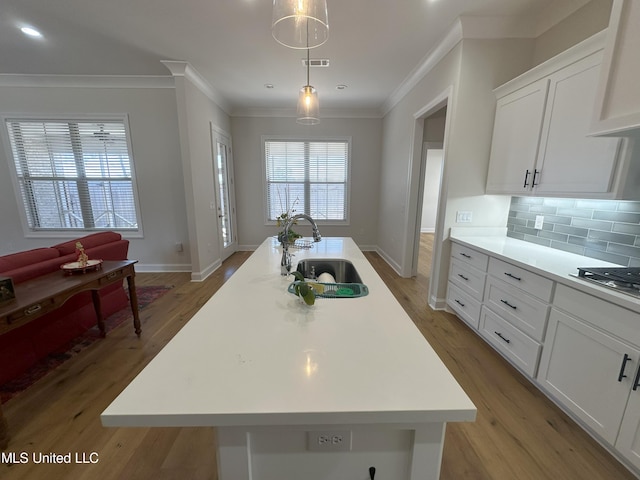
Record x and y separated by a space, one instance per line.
285 263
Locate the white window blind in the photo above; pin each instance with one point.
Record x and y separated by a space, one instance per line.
307 177
74 175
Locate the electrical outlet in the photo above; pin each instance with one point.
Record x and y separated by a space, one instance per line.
464 217
329 441
539 222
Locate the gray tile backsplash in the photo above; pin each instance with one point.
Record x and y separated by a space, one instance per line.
604 229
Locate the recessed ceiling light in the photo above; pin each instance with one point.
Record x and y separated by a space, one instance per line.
340 87
32 32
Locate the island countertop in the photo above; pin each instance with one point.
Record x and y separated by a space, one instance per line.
255 354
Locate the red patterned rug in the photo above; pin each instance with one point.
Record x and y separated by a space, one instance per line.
146 295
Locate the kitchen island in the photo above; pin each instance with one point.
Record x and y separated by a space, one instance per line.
321 392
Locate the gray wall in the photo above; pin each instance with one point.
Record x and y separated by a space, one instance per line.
604 229
365 136
156 152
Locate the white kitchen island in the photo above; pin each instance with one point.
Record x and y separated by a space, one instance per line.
298 392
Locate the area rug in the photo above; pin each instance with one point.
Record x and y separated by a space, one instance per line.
146 296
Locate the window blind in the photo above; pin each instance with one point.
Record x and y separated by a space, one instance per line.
74 175
307 177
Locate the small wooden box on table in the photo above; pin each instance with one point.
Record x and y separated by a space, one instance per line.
43 294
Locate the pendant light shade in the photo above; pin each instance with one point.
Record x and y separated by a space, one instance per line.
300 23
308 107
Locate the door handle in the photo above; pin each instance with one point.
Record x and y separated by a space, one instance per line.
625 359
535 175
636 382
526 178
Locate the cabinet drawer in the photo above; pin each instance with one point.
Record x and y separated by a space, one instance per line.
470 256
467 307
527 313
468 278
511 342
524 279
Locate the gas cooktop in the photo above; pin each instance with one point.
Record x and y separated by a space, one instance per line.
622 279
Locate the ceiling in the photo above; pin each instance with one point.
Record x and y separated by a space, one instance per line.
373 46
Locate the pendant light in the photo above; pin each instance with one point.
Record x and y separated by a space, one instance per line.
308 106
301 24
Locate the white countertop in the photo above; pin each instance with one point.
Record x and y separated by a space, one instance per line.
254 354
549 262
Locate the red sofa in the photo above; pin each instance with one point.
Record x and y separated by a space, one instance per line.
24 346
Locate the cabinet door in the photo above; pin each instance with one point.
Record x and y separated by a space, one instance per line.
618 98
516 136
588 371
569 161
628 443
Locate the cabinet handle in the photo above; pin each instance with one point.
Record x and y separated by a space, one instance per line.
463 277
465 255
462 305
636 382
535 175
508 304
500 335
625 359
33 309
511 275
112 275
526 178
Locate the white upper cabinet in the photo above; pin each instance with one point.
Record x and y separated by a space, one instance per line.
541 143
617 108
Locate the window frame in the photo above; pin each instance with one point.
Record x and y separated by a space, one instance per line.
291 138
79 118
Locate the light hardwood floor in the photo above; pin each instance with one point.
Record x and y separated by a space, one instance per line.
519 433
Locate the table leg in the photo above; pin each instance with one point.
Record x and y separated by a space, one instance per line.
133 297
4 431
97 305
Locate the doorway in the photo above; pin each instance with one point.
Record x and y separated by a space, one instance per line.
224 190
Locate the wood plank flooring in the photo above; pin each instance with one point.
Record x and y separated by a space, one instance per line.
518 435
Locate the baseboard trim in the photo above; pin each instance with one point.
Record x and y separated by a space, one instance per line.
162 267
202 275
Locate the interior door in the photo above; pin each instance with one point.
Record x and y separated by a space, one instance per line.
225 195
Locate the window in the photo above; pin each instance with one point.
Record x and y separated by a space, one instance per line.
307 176
74 175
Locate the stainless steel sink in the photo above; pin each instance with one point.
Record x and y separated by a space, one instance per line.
342 270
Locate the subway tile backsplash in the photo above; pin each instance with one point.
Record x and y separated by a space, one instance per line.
604 229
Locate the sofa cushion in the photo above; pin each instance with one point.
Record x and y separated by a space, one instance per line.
14 261
87 242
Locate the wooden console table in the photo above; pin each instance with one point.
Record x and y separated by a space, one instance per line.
48 292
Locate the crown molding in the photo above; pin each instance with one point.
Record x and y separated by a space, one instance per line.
86 81
186 70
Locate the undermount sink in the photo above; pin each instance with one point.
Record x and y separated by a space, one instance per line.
342 270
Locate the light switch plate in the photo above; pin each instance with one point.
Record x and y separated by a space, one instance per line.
464 217
539 222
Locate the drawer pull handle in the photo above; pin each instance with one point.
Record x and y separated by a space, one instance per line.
526 177
536 172
636 382
463 277
112 275
462 304
465 255
500 335
511 275
33 309
625 359
508 304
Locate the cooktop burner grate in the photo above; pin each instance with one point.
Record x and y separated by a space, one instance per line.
625 275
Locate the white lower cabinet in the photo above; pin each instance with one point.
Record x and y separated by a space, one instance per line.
589 371
628 442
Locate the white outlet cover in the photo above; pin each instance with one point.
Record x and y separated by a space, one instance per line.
539 222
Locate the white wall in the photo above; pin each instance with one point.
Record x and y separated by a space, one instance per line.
473 68
156 153
433 171
365 136
196 115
